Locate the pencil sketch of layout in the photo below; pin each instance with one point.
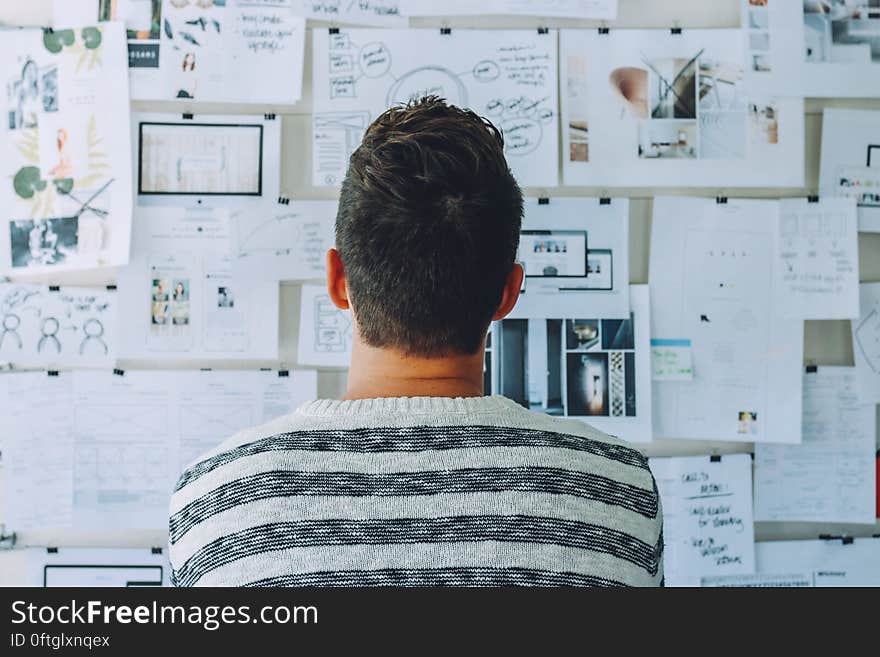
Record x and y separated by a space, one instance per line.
508 76
325 332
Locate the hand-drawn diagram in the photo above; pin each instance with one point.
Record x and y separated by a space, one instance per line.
332 327
866 339
284 242
325 331
506 76
54 326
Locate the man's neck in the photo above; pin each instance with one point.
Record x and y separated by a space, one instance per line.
381 373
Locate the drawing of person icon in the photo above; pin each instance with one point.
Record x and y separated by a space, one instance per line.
11 322
93 329
188 76
64 168
49 328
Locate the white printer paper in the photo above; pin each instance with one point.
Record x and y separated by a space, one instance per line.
650 108
57 326
866 343
850 163
817 267
707 516
97 567
283 242
103 450
181 298
325 332
830 477
509 76
711 276
830 562
575 252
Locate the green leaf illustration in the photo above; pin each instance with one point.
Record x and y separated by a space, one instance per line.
63 185
28 182
55 40
91 37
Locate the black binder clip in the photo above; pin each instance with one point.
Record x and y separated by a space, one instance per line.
675 30
283 200
111 288
186 116
206 369
283 374
715 458
543 30
156 550
333 30
48 30
721 200
265 369
269 117
52 373
543 201
812 369
7 541
604 30
54 288
445 31
604 201
52 550
813 199
118 372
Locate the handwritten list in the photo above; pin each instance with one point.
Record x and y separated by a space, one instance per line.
707 516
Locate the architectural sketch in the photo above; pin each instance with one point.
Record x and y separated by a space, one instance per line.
508 76
61 327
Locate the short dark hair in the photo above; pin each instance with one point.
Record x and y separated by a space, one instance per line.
428 228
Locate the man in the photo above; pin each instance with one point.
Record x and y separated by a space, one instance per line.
415 478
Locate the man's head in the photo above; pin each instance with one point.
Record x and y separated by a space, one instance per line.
427 231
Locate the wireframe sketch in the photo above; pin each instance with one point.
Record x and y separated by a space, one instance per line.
204 159
333 330
507 76
65 326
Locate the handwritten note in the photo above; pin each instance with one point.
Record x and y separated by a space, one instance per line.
816 273
672 360
707 516
356 12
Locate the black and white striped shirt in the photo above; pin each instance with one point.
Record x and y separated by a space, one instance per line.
418 492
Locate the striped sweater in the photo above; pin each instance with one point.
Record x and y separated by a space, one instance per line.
418 492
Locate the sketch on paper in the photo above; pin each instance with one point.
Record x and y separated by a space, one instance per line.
507 76
325 331
360 12
40 325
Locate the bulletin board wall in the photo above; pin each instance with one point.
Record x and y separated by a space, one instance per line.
826 342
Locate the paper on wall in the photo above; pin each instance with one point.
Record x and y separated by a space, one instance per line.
325 331
364 12
106 449
830 477
817 267
96 567
850 162
180 297
773 35
866 343
57 327
829 562
283 242
597 370
595 9
575 252
650 108
711 275
509 76
218 160
64 150
707 517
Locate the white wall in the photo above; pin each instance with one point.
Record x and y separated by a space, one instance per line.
827 343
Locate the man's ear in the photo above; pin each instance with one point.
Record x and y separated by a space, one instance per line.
336 284
511 292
